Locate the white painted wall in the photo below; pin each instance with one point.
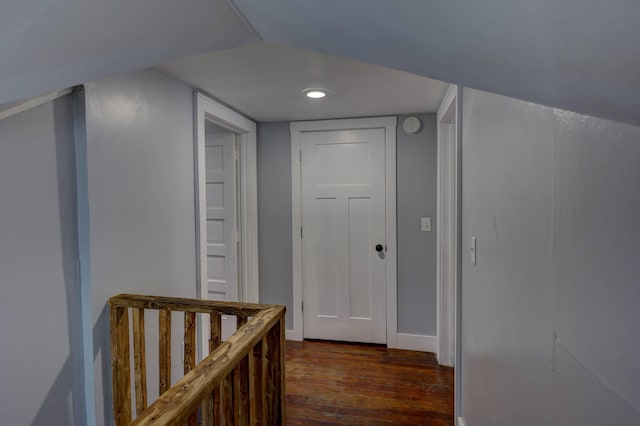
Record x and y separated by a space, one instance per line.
141 194
549 314
40 365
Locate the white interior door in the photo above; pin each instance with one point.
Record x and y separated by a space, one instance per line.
343 220
222 258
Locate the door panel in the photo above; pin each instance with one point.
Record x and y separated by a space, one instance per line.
360 258
325 277
222 264
343 218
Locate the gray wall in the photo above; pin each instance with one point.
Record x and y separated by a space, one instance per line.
549 314
417 173
39 306
141 190
416 156
274 215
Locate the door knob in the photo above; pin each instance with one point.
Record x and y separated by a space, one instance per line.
379 248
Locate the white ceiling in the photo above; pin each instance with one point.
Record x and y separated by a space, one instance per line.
47 45
265 82
581 55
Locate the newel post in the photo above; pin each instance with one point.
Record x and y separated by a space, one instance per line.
120 365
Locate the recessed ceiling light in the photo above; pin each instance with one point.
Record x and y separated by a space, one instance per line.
315 93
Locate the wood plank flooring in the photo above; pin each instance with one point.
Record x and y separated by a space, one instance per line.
344 384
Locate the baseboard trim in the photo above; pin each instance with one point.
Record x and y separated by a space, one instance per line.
291 335
417 342
411 342
461 422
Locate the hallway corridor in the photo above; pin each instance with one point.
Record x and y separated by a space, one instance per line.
338 384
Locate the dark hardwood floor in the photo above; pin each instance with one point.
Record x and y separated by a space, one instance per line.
344 384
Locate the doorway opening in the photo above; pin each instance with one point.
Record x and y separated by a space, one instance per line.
448 261
226 208
222 224
449 237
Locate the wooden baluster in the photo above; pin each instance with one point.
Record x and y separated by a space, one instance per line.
215 334
241 384
226 396
189 341
236 394
241 392
214 342
190 353
269 391
283 356
240 398
139 360
165 350
211 406
274 337
274 377
240 321
256 386
120 365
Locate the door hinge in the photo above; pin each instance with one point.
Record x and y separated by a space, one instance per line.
301 156
302 306
301 232
236 154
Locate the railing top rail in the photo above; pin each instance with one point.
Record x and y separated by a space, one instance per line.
175 405
188 305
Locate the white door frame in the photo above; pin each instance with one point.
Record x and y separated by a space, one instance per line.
389 124
206 109
448 231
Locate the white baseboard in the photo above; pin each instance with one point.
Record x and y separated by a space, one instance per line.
411 342
291 335
461 422
417 342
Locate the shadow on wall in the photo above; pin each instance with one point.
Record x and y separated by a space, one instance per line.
57 396
69 381
63 386
101 344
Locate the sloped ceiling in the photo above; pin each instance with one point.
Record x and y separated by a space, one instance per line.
581 55
50 44
265 82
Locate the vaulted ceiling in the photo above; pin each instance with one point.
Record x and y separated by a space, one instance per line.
581 55
46 45
265 82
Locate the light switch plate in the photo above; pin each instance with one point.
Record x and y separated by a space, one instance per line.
426 224
473 250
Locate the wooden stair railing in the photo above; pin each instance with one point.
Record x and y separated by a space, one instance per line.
240 382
